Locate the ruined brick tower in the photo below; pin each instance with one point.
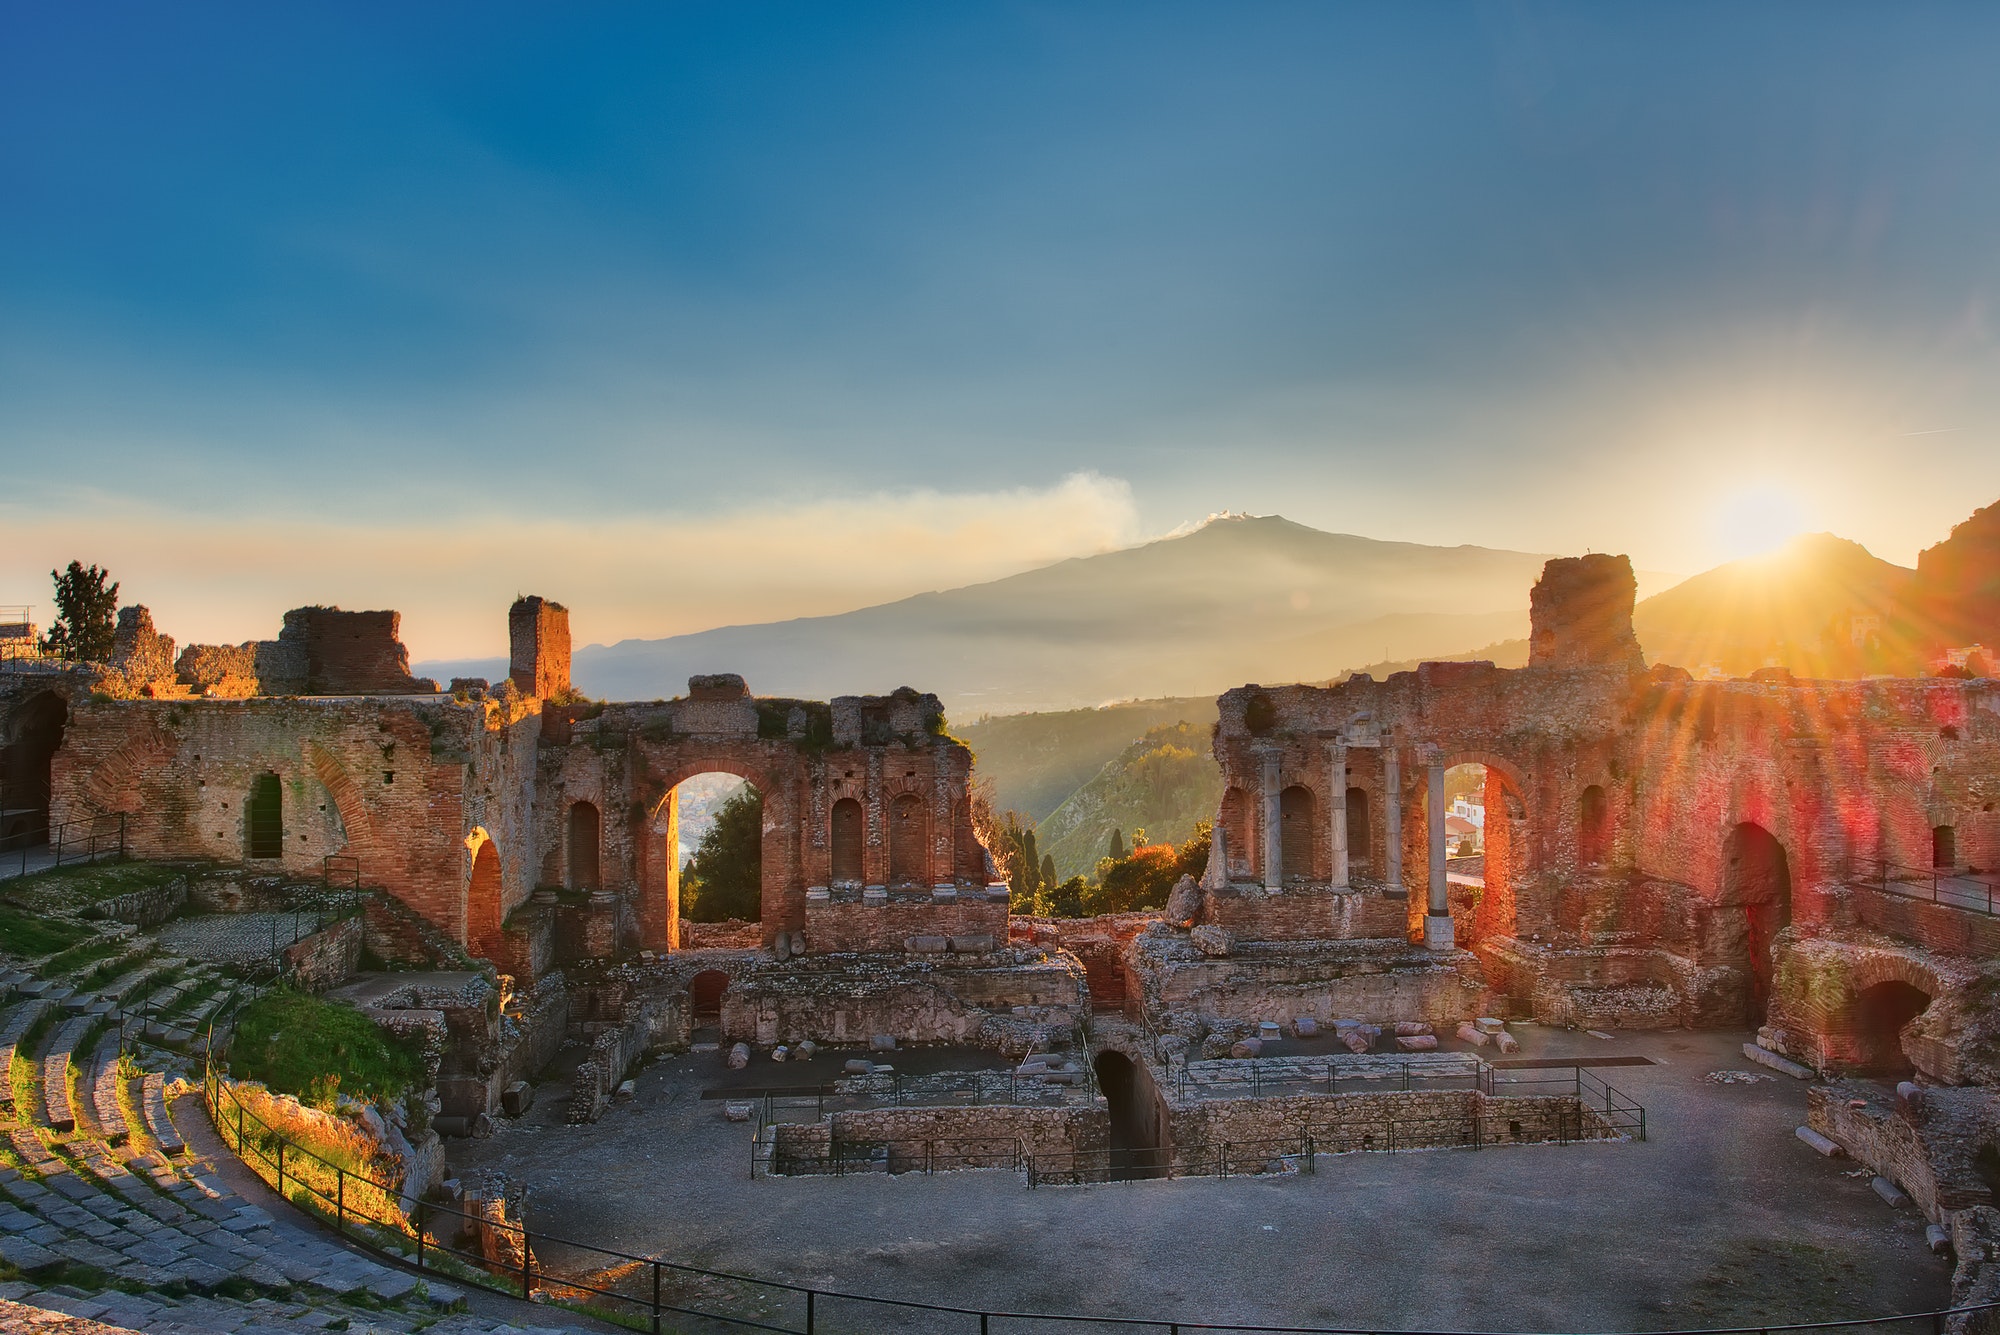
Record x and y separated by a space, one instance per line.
1580 614
538 637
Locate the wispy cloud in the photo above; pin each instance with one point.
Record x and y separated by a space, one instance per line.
209 581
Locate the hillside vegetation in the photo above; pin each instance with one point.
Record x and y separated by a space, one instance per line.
1165 784
1032 763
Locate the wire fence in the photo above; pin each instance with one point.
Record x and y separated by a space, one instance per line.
1976 892
39 846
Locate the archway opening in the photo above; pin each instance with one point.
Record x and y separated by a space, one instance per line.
1755 905
721 835
1465 811
25 765
1298 833
1593 828
1944 847
1128 1098
705 991
1881 1013
482 903
909 841
847 822
586 847
1359 845
264 818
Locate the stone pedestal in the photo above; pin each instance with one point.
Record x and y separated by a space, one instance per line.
1438 932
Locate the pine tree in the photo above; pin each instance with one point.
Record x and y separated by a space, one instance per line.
1117 844
1048 872
86 615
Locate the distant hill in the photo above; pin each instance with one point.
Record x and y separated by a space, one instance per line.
1821 606
1032 762
1239 599
1164 783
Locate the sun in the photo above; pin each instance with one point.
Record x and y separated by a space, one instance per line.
1757 519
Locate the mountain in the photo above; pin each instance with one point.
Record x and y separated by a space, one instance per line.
1239 599
1032 762
1955 597
1162 783
1820 605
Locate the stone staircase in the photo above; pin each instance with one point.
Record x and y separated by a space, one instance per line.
107 1215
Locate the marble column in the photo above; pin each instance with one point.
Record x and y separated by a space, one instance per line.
1274 851
1392 815
1336 786
1437 916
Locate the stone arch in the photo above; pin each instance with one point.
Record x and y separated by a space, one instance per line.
114 782
705 993
347 800
909 840
1298 833
1752 905
778 850
485 900
35 732
1878 1019
848 835
1506 862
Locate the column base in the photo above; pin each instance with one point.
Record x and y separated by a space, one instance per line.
1438 932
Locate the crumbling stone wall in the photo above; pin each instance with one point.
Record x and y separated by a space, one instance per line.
142 659
538 643
803 758
319 651
405 787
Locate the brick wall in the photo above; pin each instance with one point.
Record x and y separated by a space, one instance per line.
847 923
327 958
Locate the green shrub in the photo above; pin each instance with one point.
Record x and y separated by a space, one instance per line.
298 1044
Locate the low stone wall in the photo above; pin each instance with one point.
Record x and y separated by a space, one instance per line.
1306 913
642 1026
1413 1119
145 908
912 1139
849 923
327 958
731 935
1375 981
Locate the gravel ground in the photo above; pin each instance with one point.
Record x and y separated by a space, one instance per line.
1720 1218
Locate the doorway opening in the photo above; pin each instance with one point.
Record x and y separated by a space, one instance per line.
720 826
264 818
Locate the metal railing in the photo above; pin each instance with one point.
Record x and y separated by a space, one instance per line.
85 839
628 1286
1974 892
339 871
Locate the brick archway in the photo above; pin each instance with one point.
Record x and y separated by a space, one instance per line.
655 835
485 897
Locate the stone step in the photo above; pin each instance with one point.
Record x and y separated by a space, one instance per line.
18 1021
57 1113
107 1116
159 1125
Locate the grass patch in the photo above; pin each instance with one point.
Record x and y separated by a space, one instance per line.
32 936
80 886
81 955
299 1044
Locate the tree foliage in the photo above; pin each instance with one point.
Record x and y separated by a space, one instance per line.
86 615
725 877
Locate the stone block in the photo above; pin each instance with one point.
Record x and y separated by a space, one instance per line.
1247 1047
974 944
739 1056
1305 1026
881 1042
1765 1057
736 1112
1506 1042
1210 940
780 1053
1269 1032
1488 1025
1412 1028
927 945
517 1098
858 1066
1818 1142
1470 1033
1417 1042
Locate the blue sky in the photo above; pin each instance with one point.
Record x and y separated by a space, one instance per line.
702 313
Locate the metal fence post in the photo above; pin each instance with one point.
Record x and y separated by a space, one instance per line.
810 1318
527 1263
340 1200
656 1302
